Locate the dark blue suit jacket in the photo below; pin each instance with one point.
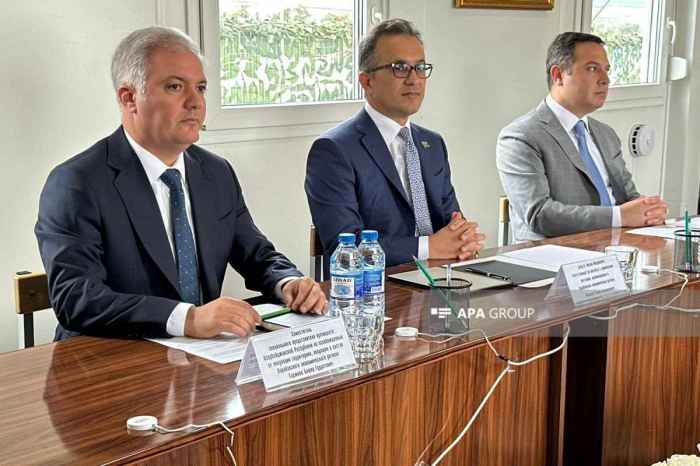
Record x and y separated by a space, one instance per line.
352 185
110 266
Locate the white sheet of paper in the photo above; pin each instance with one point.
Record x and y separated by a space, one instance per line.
661 232
552 255
680 222
509 260
224 348
538 283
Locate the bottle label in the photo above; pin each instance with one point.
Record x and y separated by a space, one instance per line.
374 281
346 286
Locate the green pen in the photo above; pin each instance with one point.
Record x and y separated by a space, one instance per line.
431 280
281 312
688 239
424 270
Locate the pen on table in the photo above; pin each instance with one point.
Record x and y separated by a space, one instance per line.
281 312
449 274
486 274
688 239
431 280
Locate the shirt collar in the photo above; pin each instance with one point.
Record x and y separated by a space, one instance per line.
387 127
567 119
153 166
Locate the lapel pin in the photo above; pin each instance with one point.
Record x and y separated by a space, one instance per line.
425 144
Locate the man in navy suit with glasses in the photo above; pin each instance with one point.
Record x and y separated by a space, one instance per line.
378 171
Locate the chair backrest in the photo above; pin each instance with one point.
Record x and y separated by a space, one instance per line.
504 222
31 295
316 254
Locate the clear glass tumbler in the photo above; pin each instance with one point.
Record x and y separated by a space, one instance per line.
627 257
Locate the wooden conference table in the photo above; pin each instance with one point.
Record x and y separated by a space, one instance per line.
622 392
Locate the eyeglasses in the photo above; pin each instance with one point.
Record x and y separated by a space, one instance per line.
403 70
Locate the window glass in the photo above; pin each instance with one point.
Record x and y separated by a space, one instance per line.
630 29
287 51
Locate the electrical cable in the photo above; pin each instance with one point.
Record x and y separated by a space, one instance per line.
654 306
196 427
509 363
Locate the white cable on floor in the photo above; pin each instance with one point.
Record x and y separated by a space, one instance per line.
508 362
419 460
471 421
159 428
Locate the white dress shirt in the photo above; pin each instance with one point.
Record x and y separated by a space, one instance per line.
568 120
389 129
154 168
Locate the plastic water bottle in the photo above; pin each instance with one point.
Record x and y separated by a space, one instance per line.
370 323
346 277
374 261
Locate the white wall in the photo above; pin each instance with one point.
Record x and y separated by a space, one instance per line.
57 100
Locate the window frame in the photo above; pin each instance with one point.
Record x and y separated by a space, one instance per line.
253 122
577 16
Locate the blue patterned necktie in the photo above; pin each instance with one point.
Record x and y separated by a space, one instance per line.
183 238
590 164
415 181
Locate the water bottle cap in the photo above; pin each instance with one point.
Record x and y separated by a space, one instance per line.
346 238
370 235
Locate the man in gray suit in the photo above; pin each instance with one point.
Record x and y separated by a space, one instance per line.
563 171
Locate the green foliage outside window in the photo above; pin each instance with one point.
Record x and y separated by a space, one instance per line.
624 46
286 59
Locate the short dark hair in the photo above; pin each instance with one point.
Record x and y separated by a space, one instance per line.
389 27
562 51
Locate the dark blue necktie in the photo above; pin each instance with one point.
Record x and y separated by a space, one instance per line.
183 238
590 164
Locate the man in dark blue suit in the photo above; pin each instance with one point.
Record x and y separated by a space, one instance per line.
379 171
137 231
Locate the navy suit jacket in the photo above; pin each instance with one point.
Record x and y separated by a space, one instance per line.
107 256
352 185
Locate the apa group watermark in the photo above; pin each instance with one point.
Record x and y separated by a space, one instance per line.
497 313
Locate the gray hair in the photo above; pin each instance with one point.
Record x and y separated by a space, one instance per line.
390 27
131 58
562 51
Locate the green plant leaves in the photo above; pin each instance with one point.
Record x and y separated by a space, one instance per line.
286 58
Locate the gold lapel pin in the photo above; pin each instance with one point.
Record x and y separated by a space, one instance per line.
425 144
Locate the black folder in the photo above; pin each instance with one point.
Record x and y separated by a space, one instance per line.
517 274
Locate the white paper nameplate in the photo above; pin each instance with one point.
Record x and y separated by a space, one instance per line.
589 280
290 356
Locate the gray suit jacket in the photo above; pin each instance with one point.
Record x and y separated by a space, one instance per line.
549 188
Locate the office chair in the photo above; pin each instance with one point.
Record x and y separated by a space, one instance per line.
504 222
31 295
